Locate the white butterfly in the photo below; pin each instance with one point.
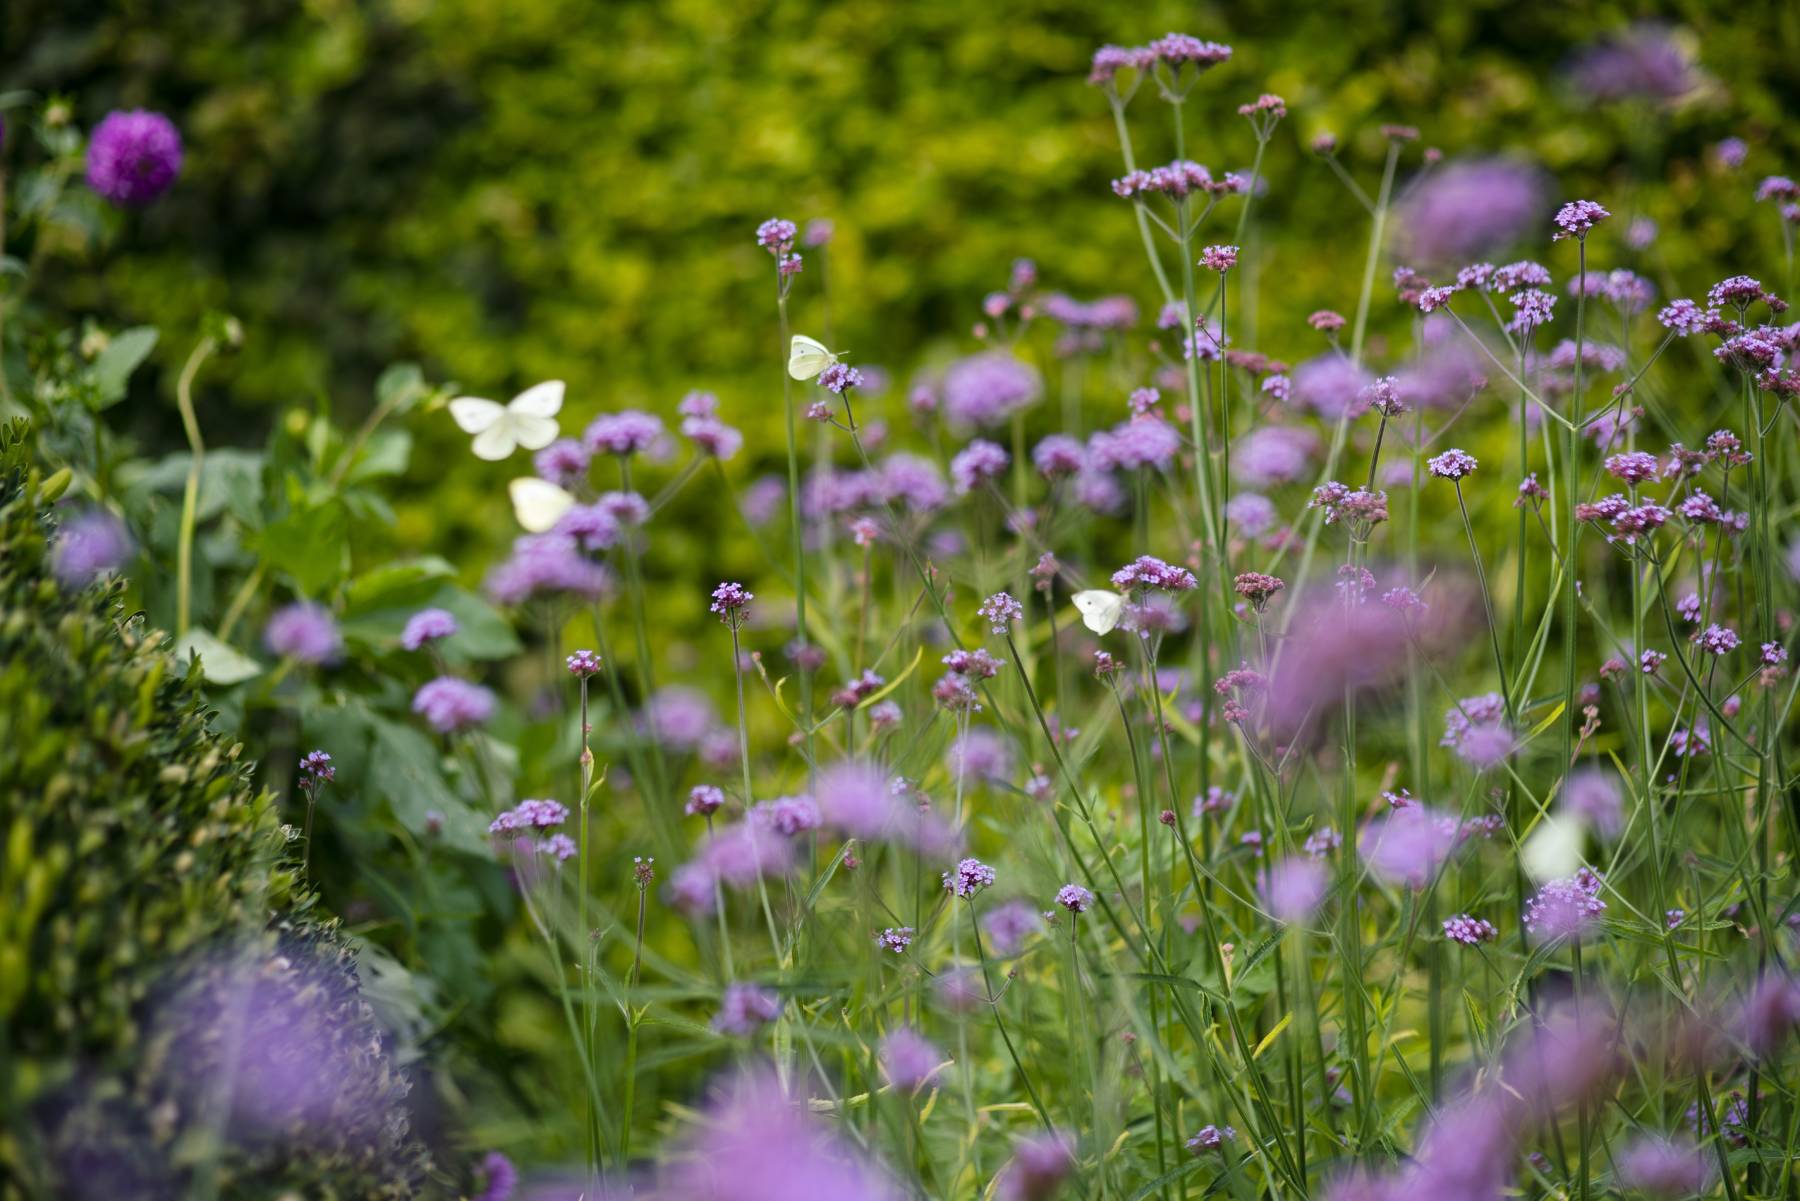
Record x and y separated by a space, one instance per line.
1554 849
807 357
529 420
1100 609
538 504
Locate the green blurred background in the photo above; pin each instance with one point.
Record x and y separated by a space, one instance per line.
508 190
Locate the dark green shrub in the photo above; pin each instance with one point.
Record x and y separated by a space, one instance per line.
141 875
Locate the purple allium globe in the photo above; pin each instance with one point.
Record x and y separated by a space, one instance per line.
133 157
92 545
449 704
305 633
427 626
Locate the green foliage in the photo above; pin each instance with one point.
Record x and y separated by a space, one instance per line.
133 844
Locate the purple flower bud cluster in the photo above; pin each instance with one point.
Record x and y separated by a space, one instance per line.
968 877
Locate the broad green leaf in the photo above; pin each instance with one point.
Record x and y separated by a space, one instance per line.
220 662
123 354
310 545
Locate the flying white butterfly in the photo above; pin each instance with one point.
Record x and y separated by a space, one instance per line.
538 504
1553 850
807 357
528 420
1100 609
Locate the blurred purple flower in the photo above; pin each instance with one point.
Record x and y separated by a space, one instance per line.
133 157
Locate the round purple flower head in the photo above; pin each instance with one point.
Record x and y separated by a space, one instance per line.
1576 218
317 765
895 939
1211 1138
133 157
908 1058
1292 888
1001 610
840 378
502 1178
427 626
1219 258
776 236
729 601
704 800
1565 908
968 878
986 389
1074 898
303 632
977 463
1453 464
88 547
450 704
564 462
1468 930
1040 1164
626 433
583 664
745 1009
1147 571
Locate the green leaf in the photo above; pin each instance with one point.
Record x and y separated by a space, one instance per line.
122 356
310 545
220 662
401 387
387 452
403 582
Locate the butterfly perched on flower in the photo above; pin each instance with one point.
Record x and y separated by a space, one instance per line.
808 356
528 420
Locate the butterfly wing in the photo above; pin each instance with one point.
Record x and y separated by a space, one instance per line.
1100 610
532 432
538 504
539 400
497 441
807 357
473 415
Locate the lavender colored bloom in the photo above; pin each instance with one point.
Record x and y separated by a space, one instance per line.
1533 308
908 1059
1576 218
1663 1168
986 389
1468 930
787 816
1769 1014
1147 571
133 157
1292 888
502 1179
1453 464
745 1009
1643 61
1407 846
1219 258
1074 898
857 799
1717 640
968 877
1594 796
1465 210
1009 924
704 800
530 815
895 939
1565 908
1142 442
564 462
757 1143
449 704
729 601
427 626
679 717
1040 1164
1487 746
546 563
978 462
89 546
912 482
776 235
1331 386
712 437
305 633
625 433
1001 610
840 378
1251 513
1211 1138
582 664
1058 455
